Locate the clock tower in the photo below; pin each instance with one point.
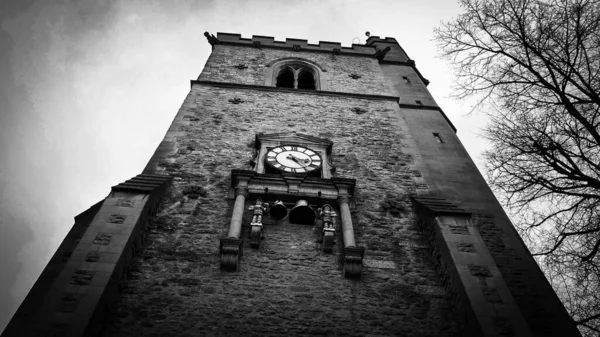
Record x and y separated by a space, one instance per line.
302 189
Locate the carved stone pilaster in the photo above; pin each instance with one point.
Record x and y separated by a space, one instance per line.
231 250
353 257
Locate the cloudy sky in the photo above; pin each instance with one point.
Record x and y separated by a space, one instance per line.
88 89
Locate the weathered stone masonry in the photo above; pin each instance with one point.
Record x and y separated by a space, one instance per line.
440 257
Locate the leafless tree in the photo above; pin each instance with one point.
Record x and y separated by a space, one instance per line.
534 67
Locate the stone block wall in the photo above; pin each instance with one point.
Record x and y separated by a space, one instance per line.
288 286
335 76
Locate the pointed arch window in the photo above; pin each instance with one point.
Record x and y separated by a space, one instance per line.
296 74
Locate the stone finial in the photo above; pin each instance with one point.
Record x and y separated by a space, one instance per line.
211 39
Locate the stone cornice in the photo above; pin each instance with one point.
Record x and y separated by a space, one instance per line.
144 183
278 186
298 91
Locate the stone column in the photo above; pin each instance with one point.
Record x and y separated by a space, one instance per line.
347 229
235 225
231 246
352 255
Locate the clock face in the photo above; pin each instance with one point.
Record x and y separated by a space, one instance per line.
294 159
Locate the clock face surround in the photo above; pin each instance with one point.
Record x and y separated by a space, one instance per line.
293 159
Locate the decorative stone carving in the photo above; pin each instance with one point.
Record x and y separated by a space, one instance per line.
256 44
461 230
82 277
353 257
465 247
92 257
236 100
211 39
116 218
492 295
337 51
380 54
194 192
296 47
124 202
191 118
256 226
231 251
354 76
480 271
358 111
103 238
241 66
68 303
328 216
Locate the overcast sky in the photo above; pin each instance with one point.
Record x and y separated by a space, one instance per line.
88 89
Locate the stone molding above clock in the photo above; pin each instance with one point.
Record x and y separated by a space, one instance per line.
290 188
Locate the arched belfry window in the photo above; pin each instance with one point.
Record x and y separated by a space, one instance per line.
295 74
306 80
286 78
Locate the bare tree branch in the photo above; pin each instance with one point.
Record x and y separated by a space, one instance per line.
536 66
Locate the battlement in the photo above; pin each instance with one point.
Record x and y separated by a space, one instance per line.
372 39
289 43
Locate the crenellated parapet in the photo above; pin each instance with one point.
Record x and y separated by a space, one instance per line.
258 41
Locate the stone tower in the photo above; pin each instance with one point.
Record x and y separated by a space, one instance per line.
301 190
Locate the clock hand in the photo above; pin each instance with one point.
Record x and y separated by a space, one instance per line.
297 160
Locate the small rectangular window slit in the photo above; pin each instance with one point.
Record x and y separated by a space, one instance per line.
437 137
406 80
419 103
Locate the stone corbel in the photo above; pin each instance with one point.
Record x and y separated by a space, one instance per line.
353 257
231 251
